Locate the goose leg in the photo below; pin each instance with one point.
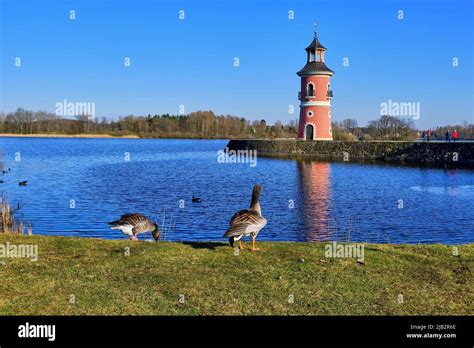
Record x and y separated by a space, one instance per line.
241 246
254 248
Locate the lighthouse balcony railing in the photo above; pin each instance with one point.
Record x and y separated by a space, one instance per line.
329 94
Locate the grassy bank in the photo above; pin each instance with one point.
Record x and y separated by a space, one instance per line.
213 280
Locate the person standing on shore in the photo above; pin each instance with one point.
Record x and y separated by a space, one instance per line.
423 136
448 136
428 135
455 135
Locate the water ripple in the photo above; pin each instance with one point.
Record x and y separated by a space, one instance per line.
77 185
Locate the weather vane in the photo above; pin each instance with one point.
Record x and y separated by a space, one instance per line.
315 31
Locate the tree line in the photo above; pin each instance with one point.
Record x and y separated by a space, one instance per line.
206 124
394 128
199 124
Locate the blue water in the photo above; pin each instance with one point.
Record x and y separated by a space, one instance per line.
303 201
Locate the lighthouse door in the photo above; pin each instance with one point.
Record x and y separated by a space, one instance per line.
309 132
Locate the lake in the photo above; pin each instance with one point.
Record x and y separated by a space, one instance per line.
76 186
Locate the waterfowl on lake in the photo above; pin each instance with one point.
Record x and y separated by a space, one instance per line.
23 183
247 222
196 200
133 224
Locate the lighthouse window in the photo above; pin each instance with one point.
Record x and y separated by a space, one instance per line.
318 56
310 113
311 57
310 90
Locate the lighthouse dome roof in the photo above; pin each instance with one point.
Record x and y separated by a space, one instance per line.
315 68
314 45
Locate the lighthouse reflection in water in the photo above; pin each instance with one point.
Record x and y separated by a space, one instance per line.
314 190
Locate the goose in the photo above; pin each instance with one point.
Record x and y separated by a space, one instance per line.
23 183
133 224
196 200
247 222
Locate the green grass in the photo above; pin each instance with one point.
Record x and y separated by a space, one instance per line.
216 282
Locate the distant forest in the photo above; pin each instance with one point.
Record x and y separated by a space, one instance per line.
206 124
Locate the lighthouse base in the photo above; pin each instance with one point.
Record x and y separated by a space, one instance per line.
401 152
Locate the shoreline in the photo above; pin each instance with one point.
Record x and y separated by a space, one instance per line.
44 135
225 241
99 136
134 136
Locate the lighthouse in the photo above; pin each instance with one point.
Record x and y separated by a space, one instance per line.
315 95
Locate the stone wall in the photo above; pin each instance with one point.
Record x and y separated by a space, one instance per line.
450 154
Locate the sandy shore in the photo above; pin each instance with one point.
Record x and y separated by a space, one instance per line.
10 135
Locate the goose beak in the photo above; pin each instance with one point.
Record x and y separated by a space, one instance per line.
156 234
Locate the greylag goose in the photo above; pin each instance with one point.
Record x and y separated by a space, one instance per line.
247 222
133 224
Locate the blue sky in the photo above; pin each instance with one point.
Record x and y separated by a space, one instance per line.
190 62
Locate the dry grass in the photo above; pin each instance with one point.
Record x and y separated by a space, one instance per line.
8 223
54 135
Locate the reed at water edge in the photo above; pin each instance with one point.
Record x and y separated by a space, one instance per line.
8 223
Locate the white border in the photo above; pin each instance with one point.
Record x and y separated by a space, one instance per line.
316 103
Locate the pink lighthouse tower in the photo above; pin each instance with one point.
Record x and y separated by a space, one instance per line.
315 95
